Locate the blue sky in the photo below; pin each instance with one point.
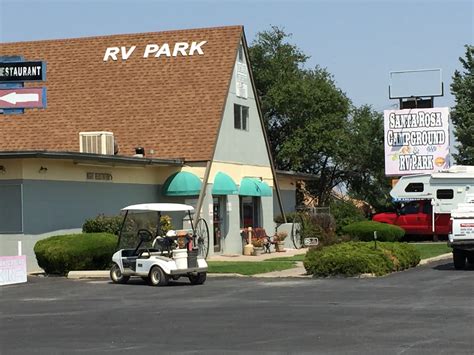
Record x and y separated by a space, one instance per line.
359 42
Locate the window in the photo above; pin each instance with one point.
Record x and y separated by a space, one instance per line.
249 212
445 194
414 187
241 117
410 208
241 54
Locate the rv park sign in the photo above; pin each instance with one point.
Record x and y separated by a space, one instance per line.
416 141
154 50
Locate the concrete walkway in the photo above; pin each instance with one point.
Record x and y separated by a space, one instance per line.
238 257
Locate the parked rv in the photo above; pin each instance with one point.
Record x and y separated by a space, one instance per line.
461 238
425 201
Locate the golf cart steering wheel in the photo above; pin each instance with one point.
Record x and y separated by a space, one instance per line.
144 236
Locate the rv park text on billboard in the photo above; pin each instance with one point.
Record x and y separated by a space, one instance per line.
156 50
416 140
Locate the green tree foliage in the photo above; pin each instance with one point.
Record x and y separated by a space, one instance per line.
365 164
311 125
463 112
305 113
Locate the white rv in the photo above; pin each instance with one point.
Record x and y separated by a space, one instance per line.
428 200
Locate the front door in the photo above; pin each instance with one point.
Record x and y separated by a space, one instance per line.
218 221
249 216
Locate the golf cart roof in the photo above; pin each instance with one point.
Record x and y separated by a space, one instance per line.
164 207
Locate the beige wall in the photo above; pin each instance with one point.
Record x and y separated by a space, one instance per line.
67 170
286 182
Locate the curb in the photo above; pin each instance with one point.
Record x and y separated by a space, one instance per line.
101 274
93 274
436 258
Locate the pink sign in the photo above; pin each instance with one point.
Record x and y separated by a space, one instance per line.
12 269
22 98
416 141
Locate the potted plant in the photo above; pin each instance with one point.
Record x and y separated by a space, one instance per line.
279 240
257 246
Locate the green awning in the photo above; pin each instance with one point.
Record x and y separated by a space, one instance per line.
265 190
224 185
254 187
182 183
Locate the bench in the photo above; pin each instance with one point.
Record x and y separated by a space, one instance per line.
259 234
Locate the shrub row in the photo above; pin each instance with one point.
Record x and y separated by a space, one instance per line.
355 258
103 224
364 231
63 253
112 224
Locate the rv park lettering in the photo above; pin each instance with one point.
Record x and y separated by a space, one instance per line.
416 141
156 50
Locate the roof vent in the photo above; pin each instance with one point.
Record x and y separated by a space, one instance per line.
96 142
139 152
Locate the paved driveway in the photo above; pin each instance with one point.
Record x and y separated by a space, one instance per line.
427 310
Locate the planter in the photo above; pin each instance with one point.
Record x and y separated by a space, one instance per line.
280 246
257 251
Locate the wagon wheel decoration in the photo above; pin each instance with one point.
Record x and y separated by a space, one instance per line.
202 237
297 232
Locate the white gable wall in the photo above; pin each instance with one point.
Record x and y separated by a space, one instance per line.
241 146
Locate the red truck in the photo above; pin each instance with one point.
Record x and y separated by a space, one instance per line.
416 217
426 200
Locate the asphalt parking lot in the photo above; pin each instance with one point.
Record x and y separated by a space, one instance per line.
427 310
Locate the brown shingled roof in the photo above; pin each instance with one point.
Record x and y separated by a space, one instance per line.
171 105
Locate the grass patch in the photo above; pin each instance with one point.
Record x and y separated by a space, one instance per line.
248 267
431 250
299 257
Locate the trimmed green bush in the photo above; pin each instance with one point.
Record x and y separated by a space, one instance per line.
355 258
345 213
63 253
364 231
103 224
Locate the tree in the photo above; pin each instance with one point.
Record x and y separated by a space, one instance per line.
463 112
365 165
306 115
276 67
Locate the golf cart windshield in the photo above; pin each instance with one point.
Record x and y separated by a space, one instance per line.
143 223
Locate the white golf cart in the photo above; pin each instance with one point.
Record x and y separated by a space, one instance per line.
145 251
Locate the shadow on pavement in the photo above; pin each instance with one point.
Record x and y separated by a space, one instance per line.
450 267
143 283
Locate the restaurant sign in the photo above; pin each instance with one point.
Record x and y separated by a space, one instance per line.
22 71
416 141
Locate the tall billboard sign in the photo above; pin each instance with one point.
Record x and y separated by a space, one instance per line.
416 141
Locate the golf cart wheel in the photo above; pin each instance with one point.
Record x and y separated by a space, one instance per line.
202 238
198 279
459 259
116 275
296 232
157 277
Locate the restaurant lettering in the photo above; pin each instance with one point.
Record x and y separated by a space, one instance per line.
156 50
22 71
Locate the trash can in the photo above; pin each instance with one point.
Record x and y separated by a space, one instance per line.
180 256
